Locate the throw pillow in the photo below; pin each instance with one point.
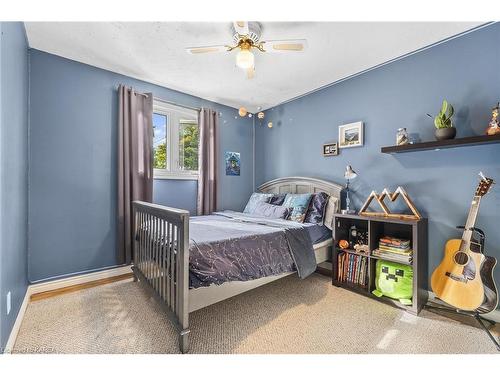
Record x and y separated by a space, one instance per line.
254 199
316 211
271 210
299 204
278 199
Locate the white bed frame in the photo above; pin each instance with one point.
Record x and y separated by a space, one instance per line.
161 255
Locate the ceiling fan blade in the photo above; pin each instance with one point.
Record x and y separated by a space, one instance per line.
250 73
206 49
241 27
278 46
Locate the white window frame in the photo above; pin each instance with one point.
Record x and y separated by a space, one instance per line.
174 114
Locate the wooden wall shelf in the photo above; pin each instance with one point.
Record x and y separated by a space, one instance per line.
437 145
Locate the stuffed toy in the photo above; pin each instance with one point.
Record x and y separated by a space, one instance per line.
394 280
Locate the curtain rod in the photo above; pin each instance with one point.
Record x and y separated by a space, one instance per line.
166 101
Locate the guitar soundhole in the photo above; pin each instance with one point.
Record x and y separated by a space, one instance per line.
461 258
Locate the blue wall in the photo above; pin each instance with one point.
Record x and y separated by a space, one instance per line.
14 172
465 70
73 131
166 192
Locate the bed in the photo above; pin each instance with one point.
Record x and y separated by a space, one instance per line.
171 263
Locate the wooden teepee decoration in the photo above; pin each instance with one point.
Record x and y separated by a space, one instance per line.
386 212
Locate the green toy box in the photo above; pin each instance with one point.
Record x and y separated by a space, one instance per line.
394 280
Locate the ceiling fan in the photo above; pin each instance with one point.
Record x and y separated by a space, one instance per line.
246 36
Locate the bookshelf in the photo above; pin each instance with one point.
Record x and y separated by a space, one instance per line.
377 227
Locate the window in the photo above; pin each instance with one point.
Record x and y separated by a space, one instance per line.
175 141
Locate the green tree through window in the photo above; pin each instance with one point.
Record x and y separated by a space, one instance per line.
160 156
188 146
175 142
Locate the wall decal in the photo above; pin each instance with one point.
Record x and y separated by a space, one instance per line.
233 162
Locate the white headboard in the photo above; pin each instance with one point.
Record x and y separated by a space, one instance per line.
299 185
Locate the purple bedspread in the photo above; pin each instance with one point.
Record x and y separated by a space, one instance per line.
239 247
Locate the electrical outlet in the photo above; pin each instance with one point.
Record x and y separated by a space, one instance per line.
8 303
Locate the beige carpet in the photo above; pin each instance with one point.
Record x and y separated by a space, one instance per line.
287 316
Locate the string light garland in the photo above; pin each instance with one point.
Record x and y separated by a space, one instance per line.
242 111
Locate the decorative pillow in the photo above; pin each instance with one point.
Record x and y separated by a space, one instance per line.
316 211
271 210
331 209
394 280
278 199
299 204
254 199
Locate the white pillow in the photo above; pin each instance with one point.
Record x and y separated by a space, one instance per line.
331 209
254 199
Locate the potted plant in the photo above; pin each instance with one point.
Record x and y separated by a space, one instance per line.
443 122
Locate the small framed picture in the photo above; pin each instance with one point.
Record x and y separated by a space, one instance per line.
351 135
233 163
330 149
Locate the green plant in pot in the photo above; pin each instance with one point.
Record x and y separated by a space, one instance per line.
444 123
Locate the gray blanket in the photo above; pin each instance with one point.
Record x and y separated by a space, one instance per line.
231 246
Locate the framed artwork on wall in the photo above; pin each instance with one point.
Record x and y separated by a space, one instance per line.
233 162
330 149
351 135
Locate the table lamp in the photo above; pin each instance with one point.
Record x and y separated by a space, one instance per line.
349 174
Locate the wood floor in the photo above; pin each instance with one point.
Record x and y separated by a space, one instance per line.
75 288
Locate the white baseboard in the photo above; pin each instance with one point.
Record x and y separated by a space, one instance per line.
494 315
17 324
57 284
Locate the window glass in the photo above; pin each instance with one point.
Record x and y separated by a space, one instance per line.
160 140
188 145
175 141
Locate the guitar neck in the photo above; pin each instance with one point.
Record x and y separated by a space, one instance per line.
471 220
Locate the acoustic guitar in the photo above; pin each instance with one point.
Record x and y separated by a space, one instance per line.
464 278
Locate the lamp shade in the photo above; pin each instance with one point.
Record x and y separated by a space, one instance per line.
245 59
349 173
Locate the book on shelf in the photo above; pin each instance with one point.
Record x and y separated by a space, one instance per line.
395 251
405 258
352 268
393 241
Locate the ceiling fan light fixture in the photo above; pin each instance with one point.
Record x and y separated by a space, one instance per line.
245 59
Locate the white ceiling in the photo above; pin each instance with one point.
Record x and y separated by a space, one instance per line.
155 52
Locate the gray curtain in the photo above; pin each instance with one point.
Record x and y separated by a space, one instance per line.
135 164
208 154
